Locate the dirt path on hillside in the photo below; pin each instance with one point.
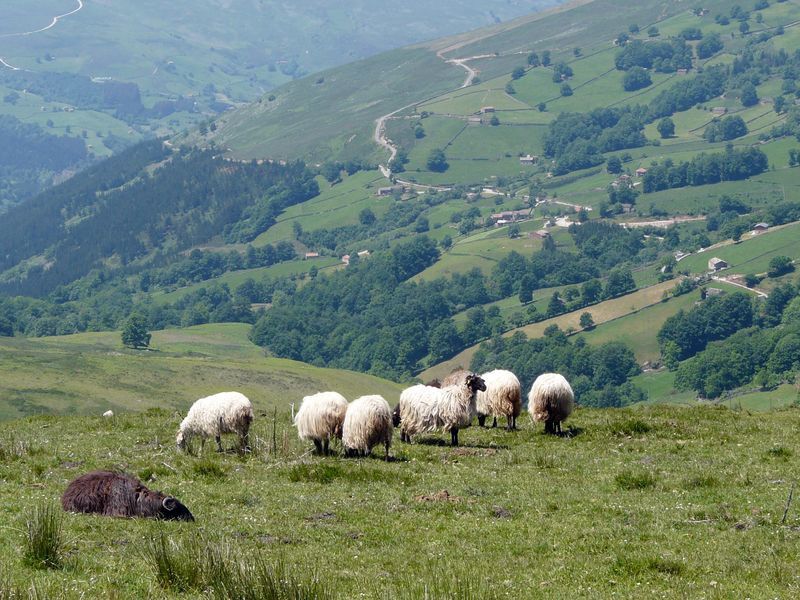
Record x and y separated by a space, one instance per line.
53 23
379 136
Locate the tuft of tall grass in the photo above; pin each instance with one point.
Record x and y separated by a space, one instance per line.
205 467
12 448
10 591
438 586
632 427
212 567
253 578
44 537
780 452
630 480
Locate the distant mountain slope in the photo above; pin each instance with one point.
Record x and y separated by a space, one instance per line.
108 73
334 112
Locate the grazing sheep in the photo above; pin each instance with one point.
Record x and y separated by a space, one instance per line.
320 418
227 412
108 414
423 408
120 495
551 400
503 396
368 422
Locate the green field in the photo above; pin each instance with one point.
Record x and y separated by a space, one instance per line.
633 501
338 204
638 330
752 254
234 279
608 310
90 373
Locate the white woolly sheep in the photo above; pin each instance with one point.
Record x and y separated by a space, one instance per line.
227 412
423 408
320 418
108 414
368 422
455 377
551 400
503 397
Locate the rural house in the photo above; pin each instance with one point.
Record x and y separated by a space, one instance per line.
717 264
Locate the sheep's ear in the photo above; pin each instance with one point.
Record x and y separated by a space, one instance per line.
169 503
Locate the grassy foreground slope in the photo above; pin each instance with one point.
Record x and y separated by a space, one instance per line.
665 501
90 373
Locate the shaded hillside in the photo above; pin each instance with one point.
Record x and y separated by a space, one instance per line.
185 201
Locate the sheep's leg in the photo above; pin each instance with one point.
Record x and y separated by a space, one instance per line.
325 445
404 437
318 446
494 422
548 426
386 450
454 437
218 439
509 423
481 420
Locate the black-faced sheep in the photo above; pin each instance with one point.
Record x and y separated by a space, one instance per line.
227 412
423 409
551 400
320 419
368 422
120 495
503 397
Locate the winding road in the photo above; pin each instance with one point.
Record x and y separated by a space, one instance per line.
380 123
52 24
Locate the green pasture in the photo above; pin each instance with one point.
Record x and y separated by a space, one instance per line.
608 310
501 141
470 100
638 330
233 279
652 488
705 198
91 373
752 254
336 205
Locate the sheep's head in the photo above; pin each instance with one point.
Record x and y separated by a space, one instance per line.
396 416
338 429
475 383
180 440
172 510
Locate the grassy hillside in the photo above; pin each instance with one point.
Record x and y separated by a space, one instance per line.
58 58
337 116
633 500
90 373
